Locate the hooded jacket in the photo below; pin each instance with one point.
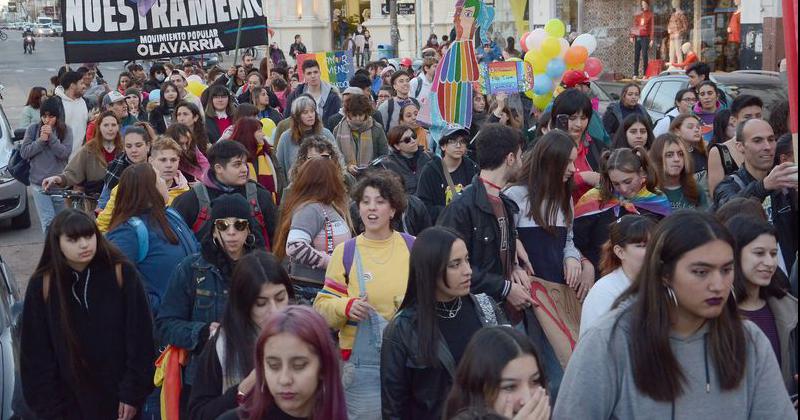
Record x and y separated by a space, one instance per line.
329 96
408 168
612 119
47 158
432 185
599 383
76 116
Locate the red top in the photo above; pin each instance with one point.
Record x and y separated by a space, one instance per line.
109 156
690 58
223 123
735 28
643 24
581 165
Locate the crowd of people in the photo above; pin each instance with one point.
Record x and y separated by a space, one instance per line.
271 249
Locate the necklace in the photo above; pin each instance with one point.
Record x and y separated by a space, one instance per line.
448 310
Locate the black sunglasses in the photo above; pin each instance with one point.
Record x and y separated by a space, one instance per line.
224 224
408 139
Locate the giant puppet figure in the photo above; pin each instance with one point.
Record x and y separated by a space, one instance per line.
451 93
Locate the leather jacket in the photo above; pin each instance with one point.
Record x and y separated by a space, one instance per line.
410 389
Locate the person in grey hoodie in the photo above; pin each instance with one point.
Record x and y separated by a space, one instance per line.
47 145
676 346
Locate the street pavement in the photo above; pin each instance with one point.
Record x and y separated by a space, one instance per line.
20 72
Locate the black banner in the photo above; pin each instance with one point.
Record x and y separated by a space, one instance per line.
117 30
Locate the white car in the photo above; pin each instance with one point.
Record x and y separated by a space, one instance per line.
58 30
42 30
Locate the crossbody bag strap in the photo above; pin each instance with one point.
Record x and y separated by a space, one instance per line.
450 185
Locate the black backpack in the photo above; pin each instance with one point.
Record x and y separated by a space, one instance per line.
19 167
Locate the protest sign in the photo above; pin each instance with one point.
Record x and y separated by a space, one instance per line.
558 310
335 67
99 31
508 77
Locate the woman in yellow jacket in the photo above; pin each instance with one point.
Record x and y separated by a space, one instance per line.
365 283
165 158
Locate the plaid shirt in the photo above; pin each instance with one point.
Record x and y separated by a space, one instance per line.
114 170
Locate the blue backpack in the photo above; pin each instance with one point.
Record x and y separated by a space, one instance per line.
185 235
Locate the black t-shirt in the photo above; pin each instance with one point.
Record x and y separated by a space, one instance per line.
457 331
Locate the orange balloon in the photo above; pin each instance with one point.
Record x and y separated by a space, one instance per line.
576 55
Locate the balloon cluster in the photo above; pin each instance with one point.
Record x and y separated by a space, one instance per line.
550 55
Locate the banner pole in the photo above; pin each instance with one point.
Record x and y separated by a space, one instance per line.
236 54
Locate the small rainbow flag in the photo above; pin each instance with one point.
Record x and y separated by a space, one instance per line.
591 203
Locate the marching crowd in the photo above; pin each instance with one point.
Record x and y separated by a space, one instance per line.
267 248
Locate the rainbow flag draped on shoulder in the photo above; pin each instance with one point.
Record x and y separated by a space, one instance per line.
591 203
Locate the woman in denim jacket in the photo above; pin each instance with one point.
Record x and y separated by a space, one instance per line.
198 290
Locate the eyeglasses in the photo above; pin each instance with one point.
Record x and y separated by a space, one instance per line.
224 224
458 141
408 139
690 100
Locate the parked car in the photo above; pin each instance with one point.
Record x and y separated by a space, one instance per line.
14 203
11 402
658 95
58 30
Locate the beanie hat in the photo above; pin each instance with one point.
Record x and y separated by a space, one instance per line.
230 205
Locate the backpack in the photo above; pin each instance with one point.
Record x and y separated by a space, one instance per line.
419 86
19 167
176 223
251 194
350 250
390 111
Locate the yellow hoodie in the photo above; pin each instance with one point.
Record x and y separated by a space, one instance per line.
104 218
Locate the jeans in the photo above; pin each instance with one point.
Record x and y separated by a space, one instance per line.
47 206
361 375
641 45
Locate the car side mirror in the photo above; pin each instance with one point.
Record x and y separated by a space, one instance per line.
19 134
614 96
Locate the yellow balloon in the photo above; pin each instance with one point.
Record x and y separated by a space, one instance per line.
196 88
267 126
551 47
541 101
555 28
529 94
537 60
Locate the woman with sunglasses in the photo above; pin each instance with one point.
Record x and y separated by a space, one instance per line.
198 290
408 116
47 145
260 287
360 138
676 346
406 157
314 220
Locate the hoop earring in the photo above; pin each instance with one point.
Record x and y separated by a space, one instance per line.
251 240
671 294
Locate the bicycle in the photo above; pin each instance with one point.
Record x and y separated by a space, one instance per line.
77 199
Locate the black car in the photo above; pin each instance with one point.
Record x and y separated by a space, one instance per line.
658 95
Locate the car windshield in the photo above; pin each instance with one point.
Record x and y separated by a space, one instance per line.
770 93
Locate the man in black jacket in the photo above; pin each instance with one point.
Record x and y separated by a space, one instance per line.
774 186
484 217
227 175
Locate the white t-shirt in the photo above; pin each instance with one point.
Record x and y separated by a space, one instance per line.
601 297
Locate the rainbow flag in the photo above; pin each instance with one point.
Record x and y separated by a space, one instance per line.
591 203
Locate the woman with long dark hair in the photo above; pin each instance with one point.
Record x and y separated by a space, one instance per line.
688 128
635 131
425 341
188 114
259 96
218 112
161 116
193 162
314 220
628 104
675 172
503 378
30 112
248 131
260 287
629 185
149 234
87 346
620 263
47 145
297 371
758 292
682 327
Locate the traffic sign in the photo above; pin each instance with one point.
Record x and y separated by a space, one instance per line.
402 9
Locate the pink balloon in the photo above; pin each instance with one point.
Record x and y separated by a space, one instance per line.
593 66
522 45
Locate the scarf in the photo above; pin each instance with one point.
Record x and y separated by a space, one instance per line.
591 203
346 135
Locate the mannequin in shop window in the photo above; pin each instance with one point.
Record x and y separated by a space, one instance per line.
642 35
735 24
677 28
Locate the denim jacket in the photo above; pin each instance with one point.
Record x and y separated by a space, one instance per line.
196 296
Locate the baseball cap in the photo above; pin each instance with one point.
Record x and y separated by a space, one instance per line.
112 97
574 78
454 130
406 62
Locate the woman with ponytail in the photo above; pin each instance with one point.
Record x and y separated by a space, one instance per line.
628 185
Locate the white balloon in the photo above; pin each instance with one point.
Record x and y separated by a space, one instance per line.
535 38
587 41
564 47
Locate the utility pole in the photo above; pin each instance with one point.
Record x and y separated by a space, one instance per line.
394 31
418 26
430 16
